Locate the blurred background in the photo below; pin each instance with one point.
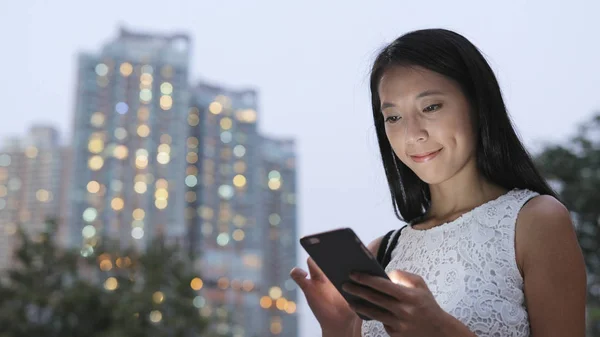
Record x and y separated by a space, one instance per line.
160 160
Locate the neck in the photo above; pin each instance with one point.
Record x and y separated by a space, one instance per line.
463 192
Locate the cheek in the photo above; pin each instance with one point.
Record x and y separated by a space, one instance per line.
396 140
464 137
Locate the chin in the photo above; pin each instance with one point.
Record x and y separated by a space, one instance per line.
432 178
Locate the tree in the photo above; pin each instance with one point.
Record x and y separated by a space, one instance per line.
56 292
575 169
152 293
42 296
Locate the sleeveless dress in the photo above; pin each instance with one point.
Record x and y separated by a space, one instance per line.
469 265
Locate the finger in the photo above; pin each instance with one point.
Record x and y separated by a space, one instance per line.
377 314
382 285
382 300
299 276
406 279
315 272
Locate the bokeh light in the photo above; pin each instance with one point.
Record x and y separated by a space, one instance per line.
166 102
121 108
226 192
223 239
239 151
155 316
196 283
215 108
266 302
226 123
126 69
226 137
238 235
97 119
88 231
111 284
191 181
239 180
143 130
90 214
166 88
95 163
137 233
274 219
163 158
120 133
275 292
120 152
145 95
158 297
101 69
117 204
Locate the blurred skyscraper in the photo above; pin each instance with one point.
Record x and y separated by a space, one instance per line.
153 156
129 136
222 176
230 202
33 186
278 213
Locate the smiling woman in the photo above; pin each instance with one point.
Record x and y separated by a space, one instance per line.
426 117
488 250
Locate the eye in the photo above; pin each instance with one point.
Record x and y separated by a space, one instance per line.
432 108
392 119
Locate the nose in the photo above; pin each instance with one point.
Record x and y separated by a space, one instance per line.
415 131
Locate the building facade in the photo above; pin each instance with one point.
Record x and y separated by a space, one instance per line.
32 186
278 214
222 179
129 133
241 215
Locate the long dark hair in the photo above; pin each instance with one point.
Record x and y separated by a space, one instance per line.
501 157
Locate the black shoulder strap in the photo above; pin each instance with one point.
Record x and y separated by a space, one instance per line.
384 255
383 246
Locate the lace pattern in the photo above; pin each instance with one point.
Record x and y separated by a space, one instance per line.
469 265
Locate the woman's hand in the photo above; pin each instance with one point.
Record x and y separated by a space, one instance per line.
408 308
330 308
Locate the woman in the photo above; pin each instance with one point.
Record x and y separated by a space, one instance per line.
488 250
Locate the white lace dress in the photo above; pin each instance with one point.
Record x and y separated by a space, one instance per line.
469 265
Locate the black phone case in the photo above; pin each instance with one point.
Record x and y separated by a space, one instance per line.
338 253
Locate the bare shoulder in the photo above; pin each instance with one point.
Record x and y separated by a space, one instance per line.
374 245
553 269
541 219
542 223
543 209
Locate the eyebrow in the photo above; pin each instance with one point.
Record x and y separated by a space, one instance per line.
425 93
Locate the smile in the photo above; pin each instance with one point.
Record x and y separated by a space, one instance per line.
425 157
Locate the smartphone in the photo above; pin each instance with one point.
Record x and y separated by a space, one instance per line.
338 253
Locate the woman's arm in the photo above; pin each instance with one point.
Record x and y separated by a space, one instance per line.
553 269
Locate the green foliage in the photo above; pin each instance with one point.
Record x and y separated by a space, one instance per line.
575 168
55 292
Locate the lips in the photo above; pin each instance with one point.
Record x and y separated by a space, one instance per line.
424 157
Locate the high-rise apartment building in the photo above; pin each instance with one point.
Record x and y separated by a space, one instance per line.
153 156
223 192
279 214
32 186
241 215
129 134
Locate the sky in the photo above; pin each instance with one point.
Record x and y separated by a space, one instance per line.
310 60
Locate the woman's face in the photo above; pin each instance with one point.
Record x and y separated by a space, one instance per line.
427 122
